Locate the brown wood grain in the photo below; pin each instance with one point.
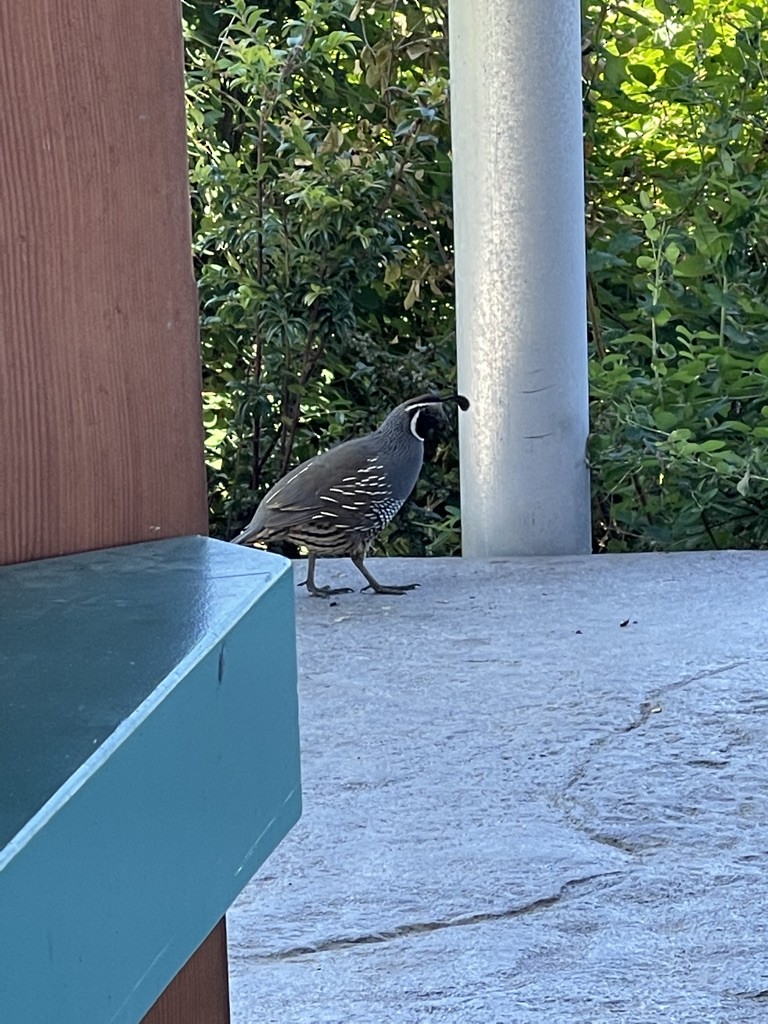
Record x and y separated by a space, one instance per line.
100 419
199 993
100 424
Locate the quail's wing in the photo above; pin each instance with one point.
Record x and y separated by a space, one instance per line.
335 484
296 493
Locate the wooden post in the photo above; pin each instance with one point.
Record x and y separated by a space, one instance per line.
100 423
199 994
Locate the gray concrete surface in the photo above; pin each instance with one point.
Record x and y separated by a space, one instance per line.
519 809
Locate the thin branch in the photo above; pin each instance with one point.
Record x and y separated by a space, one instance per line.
291 420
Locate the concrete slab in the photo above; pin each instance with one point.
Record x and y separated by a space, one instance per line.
531 787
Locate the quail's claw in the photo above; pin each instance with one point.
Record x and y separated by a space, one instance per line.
398 590
324 591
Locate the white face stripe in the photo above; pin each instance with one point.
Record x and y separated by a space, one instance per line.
422 405
414 421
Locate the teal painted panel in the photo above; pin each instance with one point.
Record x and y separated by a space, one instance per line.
171 669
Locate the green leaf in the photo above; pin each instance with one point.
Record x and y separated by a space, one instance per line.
672 252
727 161
707 35
691 266
709 238
734 425
664 419
648 220
735 334
392 273
597 260
643 73
678 72
615 68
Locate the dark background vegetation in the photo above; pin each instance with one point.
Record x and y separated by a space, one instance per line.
320 167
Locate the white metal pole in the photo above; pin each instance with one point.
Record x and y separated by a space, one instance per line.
520 275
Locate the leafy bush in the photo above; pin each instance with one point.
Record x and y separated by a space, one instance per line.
319 155
321 196
677 222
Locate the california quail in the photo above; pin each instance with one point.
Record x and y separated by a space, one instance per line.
339 502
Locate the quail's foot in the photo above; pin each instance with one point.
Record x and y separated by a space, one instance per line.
325 591
380 588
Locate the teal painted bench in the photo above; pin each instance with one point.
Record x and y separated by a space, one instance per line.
149 763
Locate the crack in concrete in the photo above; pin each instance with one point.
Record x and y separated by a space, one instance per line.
650 706
614 842
421 927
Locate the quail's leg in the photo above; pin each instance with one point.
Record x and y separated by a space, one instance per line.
309 582
379 588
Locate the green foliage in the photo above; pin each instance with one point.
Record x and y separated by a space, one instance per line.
321 185
319 156
677 172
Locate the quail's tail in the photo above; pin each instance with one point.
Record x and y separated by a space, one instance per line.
249 533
